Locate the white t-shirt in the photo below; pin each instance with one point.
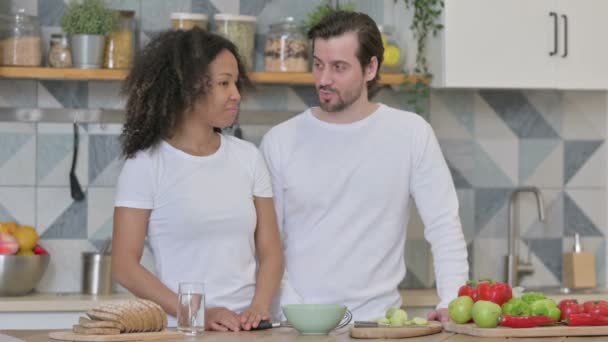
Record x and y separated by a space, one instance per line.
342 197
203 218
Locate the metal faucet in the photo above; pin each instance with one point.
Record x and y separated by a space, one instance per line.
515 266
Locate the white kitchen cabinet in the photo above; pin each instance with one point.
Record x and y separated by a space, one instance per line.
521 44
585 65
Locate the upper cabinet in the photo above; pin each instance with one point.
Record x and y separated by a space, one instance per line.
521 44
583 58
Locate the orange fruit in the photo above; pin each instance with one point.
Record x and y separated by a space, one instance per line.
25 252
26 236
8 227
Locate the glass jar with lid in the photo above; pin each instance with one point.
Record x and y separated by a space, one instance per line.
187 21
120 44
239 29
60 55
286 48
394 56
21 42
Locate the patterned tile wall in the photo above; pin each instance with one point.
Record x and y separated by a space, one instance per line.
494 141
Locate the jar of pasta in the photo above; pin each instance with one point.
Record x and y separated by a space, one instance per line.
186 21
21 43
120 44
286 47
394 56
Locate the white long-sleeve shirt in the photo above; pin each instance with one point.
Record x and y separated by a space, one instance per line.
342 196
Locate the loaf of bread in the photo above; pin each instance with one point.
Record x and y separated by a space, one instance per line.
133 315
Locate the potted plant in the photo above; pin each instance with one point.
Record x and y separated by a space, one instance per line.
323 10
87 23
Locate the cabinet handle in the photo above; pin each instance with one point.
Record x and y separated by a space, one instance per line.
554 15
565 17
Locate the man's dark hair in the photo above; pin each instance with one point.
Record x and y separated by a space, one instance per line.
166 80
368 35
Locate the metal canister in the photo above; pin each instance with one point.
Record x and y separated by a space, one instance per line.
96 273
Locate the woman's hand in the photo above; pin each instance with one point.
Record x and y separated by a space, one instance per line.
251 317
440 315
222 319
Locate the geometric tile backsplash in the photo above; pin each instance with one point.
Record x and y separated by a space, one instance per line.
493 141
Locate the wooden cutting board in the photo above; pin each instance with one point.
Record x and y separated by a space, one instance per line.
433 327
68 335
559 330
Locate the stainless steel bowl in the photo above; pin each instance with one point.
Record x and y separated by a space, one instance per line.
19 274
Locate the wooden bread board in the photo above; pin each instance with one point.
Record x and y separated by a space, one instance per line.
555 330
433 327
68 335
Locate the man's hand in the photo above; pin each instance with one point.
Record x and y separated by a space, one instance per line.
251 317
222 319
440 315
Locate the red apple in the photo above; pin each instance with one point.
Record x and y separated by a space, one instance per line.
8 244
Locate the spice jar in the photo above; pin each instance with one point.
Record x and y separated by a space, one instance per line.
60 55
393 54
286 47
240 29
187 21
21 43
119 50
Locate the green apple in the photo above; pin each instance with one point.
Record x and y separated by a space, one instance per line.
460 309
486 314
390 312
398 318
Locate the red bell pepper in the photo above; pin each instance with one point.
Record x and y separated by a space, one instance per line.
570 306
495 292
469 290
524 321
582 319
38 250
598 307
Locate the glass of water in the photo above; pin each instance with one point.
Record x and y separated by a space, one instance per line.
191 308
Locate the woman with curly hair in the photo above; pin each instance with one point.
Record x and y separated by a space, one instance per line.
203 199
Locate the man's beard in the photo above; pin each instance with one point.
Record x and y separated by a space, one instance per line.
343 102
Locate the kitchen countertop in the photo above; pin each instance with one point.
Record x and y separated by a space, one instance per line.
287 334
41 302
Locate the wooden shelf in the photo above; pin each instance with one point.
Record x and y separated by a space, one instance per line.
41 73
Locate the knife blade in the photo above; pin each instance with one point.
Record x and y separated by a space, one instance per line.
370 324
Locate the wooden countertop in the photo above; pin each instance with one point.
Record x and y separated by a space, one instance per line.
287 334
58 302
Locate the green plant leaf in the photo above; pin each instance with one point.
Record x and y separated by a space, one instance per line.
426 19
324 10
88 17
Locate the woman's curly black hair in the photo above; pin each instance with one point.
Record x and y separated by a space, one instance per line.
167 78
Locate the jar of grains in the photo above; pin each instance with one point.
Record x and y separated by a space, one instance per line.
240 29
21 43
187 21
286 47
120 44
60 55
